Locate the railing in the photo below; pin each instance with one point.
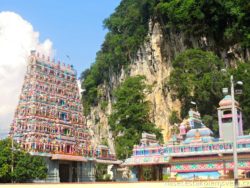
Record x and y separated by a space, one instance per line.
204 149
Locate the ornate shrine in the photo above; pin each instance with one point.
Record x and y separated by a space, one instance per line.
48 122
194 153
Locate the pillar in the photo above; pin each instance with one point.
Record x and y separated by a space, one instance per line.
241 124
86 171
53 171
220 122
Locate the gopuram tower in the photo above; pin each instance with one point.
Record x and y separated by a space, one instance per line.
48 122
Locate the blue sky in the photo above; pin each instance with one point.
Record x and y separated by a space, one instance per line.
74 26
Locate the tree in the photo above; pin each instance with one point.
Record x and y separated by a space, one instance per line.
130 116
226 21
197 77
242 73
25 166
128 27
101 172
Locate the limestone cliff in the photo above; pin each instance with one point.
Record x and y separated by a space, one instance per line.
153 60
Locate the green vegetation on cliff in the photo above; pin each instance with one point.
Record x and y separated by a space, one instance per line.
225 22
128 27
243 73
197 76
130 116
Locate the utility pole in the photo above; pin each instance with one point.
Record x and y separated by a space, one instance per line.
235 130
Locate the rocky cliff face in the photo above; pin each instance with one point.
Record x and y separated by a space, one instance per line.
154 62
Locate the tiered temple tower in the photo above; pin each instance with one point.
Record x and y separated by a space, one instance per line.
49 114
49 122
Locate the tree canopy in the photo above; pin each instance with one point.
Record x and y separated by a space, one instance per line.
25 166
224 21
127 26
197 76
242 73
130 116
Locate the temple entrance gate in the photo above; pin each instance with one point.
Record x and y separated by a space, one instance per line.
64 172
150 173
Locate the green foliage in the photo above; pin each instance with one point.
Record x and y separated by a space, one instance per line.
128 27
197 77
212 123
174 118
101 172
104 104
26 167
105 142
130 116
242 73
148 174
165 177
5 161
226 20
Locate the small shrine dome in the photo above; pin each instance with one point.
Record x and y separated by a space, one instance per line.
227 101
202 132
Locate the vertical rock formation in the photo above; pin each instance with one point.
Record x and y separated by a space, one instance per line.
154 61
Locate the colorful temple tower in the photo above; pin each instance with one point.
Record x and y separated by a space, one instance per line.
225 118
195 154
48 122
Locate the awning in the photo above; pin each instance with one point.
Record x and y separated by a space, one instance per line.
108 161
146 160
68 157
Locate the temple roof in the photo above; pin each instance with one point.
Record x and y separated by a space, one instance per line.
227 101
199 132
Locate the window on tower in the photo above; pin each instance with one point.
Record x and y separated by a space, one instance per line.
66 131
51 72
63 116
227 120
227 112
197 124
62 102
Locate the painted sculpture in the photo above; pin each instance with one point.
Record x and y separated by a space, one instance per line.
48 118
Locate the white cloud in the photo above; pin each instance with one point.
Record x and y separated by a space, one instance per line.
17 39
